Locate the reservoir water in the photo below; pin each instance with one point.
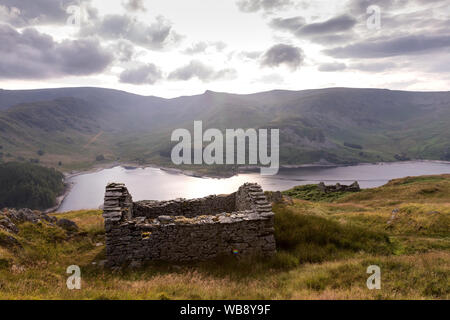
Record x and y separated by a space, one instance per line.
155 184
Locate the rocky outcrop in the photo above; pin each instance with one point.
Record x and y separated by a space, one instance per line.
10 220
354 187
27 215
7 225
239 224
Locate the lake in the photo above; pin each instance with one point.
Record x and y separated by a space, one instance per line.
156 184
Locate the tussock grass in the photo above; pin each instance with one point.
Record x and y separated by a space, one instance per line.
315 239
434 189
324 249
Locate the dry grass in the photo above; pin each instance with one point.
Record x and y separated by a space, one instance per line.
414 261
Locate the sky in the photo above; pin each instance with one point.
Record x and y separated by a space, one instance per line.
171 48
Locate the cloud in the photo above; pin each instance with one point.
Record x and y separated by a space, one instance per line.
252 55
288 24
135 5
123 50
39 12
203 46
33 55
333 39
155 36
144 74
332 67
283 54
373 67
298 27
196 69
265 5
406 45
333 25
334 30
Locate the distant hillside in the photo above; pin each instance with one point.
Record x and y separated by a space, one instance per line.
338 125
24 185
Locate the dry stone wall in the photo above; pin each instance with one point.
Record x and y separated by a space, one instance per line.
239 224
188 208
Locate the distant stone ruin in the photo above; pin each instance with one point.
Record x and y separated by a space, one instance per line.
354 187
239 224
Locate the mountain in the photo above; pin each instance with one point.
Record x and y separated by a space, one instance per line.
76 126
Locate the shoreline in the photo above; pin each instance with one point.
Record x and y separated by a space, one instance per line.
191 173
59 200
243 169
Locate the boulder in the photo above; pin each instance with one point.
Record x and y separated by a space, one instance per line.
49 219
7 225
67 225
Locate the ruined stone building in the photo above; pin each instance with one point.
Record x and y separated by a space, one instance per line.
240 224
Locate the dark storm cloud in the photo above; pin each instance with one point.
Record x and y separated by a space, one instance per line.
134 5
145 74
406 45
197 69
37 12
266 5
33 55
155 36
280 54
332 67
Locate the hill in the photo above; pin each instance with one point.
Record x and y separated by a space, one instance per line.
324 249
337 125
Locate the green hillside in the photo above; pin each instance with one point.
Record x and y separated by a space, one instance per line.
339 125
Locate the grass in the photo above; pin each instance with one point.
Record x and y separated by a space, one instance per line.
312 193
324 249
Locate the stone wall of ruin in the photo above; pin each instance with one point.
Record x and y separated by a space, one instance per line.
238 224
188 208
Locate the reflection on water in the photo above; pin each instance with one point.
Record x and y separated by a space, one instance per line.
155 184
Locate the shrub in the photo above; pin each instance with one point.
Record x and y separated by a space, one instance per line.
311 192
